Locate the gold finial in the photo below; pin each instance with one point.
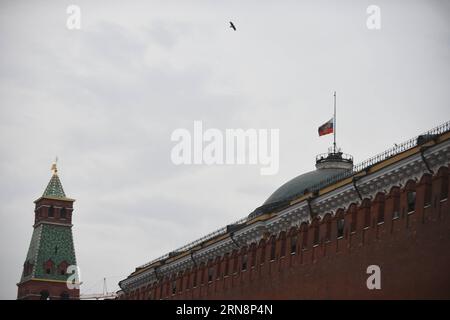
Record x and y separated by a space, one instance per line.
54 168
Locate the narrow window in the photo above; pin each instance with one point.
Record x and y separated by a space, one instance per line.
283 245
244 262
227 264
253 256
51 212
272 248
354 221
411 199
427 200
305 238
195 279
174 286
44 295
366 218
218 267
328 230
262 258
380 216
63 213
444 188
235 263
210 274
294 244
316 234
396 213
340 227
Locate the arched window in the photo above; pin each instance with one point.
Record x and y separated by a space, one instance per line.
283 244
62 268
328 228
427 200
210 273
48 266
253 262
44 295
380 213
194 282
316 233
304 231
51 212
63 213
227 265
262 257
444 185
235 262
340 227
174 286
293 246
411 201
244 262
273 248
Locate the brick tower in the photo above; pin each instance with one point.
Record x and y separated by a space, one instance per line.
51 256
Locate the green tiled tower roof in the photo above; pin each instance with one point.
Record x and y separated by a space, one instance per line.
54 188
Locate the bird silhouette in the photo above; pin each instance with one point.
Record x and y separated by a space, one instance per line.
232 26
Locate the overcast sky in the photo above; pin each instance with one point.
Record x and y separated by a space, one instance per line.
106 98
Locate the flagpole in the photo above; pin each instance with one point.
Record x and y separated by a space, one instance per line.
334 124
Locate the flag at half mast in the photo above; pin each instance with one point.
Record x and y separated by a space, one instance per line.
327 127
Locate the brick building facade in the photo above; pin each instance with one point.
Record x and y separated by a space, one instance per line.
316 240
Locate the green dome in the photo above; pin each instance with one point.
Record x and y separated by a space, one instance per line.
328 165
301 183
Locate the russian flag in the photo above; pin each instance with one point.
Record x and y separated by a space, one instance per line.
326 128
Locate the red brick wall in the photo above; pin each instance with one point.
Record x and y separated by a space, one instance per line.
411 250
30 290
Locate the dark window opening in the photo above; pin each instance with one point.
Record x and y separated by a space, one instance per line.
253 257
44 295
366 218
235 263
273 249
195 279
227 264
283 246
353 224
244 262
293 244
64 296
427 200
305 238
380 216
63 213
411 199
51 212
444 188
340 227
328 230
210 274
316 235
262 257
174 286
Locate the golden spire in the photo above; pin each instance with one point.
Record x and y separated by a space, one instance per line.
54 168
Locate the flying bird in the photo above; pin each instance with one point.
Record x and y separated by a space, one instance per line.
232 26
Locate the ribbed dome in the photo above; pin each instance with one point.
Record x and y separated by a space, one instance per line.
301 183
